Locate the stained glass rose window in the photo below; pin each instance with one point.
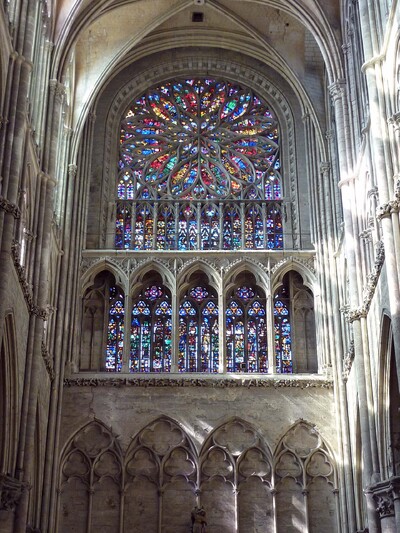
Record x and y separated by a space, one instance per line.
191 142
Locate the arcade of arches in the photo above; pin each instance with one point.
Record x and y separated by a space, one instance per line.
199 266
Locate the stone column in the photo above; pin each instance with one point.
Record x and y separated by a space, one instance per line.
385 497
388 212
11 490
338 94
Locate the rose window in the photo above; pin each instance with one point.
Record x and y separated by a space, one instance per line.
199 169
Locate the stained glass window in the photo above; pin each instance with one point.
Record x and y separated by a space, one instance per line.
283 334
209 150
151 331
198 331
115 330
246 331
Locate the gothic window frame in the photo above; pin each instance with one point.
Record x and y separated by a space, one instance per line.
244 75
199 144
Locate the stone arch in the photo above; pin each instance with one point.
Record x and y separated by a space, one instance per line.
259 272
389 395
305 481
161 470
292 264
137 275
296 294
95 311
144 77
99 266
235 460
197 266
90 480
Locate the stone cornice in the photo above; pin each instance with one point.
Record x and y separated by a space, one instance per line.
348 361
48 361
369 289
215 382
26 289
8 207
385 210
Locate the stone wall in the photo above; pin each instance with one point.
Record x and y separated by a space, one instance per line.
247 450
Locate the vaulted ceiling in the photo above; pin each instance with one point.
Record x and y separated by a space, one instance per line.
94 40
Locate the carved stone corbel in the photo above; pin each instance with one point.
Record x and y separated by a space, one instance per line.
11 490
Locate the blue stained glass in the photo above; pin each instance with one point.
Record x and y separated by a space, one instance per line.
246 332
245 293
198 140
199 293
283 343
151 331
198 332
115 331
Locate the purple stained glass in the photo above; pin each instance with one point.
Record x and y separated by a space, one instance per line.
153 293
198 293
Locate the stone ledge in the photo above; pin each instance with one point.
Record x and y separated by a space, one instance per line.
211 381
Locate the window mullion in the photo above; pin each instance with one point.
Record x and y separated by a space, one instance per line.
175 330
222 366
127 330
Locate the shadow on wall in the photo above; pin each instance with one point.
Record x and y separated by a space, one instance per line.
161 478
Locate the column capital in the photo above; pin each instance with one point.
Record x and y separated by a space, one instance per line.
9 207
385 210
11 490
384 493
72 170
337 89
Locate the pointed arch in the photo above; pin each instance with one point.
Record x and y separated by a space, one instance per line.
236 458
161 477
90 478
304 464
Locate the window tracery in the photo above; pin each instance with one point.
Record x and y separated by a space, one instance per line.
198 331
210 149
151 331
246 331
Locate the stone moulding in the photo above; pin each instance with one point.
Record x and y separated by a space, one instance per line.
369 289
11 490
26 290
214 383
8 207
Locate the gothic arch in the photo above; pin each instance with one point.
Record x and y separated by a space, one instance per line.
305 481
137 277
99 266
197 266
292 264
161 478
90 479
261 276
236 478
389 402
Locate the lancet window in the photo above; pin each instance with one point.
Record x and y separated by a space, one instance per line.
136 332
199 169
246 331
198 330
151 331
